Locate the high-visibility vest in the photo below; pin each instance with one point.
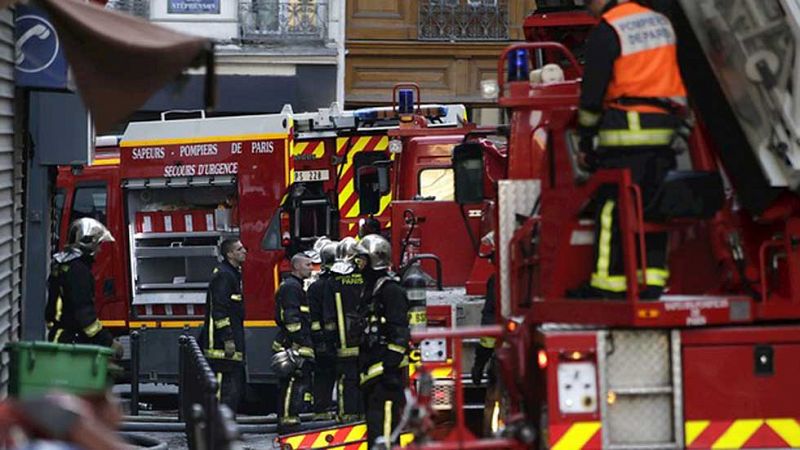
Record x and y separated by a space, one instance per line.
648 61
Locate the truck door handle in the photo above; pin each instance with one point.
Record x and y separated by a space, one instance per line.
108 287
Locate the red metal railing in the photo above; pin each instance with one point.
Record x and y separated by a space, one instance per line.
460 437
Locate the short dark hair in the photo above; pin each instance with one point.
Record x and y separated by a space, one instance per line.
227 246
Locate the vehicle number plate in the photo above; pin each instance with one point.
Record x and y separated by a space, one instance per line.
311 175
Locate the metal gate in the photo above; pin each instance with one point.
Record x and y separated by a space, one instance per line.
11 174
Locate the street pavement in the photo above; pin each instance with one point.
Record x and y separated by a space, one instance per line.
177 441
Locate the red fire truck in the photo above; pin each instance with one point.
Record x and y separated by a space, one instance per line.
712 363
170 190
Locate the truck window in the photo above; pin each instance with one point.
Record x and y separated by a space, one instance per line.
272 237
436 184
89 201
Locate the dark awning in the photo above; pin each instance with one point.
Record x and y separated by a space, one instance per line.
118 60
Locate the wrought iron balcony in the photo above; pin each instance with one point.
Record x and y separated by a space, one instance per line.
463 20
139 8
281 20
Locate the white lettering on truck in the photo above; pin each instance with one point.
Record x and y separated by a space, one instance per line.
218 169
183 170
147 153
198 150
262 147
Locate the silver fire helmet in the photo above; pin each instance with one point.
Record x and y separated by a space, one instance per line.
377 249
344 250
321 242
285 362
86 234
328 254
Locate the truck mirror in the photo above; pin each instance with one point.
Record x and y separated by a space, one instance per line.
468 172
368 188
383 176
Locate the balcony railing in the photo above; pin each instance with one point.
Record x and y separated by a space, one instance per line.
282 20
463 20
139 8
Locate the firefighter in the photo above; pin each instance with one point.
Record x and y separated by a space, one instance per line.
632 103
70 310
485 350
222 336
293 316
384 348
324 347
343 325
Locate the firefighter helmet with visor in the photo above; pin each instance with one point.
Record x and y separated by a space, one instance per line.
86 234
377 250
327 253
345 249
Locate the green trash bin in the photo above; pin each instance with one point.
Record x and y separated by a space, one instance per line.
39 367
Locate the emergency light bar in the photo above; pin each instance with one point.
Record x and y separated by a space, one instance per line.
379 113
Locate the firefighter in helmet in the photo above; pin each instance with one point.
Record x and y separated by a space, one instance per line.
70 310
631 115
384 348
324 347
293 343
343 325
485 349
222 336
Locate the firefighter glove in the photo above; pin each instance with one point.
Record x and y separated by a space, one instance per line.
587 157
586 144
230 349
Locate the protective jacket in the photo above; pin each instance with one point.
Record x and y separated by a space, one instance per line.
384 349
224 318
341 316
293 316
632 84
70 311
323 343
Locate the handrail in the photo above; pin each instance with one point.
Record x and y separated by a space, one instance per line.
460 437
209 425
501 62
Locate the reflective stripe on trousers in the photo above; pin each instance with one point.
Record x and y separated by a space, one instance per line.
601 278
387 422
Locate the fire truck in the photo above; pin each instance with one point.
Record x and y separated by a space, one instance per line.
170 190
713 362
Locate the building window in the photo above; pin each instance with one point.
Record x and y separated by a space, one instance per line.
278 20
463 20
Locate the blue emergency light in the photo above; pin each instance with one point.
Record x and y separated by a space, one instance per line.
518 65
366 114
405 101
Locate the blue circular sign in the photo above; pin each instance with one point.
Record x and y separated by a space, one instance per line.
37 44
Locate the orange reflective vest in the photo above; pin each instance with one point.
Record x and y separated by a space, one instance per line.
648 62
